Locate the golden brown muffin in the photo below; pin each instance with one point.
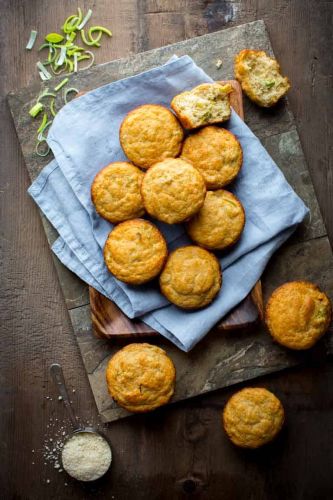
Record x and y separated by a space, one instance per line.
141 377
260 77
207 103
150 133
191 278
173 191
216 153
116 192
298 314
252 417
135 251
219 222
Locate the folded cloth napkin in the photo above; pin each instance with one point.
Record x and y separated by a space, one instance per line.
84 138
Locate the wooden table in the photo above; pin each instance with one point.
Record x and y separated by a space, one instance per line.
178 452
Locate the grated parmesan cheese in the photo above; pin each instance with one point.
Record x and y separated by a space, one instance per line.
86 456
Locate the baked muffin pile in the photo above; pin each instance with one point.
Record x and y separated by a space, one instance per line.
179 163
174 176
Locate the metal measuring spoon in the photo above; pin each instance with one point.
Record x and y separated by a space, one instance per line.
58 377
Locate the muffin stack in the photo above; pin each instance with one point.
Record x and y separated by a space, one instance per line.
175 177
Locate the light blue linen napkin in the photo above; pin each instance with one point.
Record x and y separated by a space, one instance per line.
84 138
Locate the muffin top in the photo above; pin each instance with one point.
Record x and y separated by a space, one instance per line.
116 192
260 77
298 314
141 377
219 222
173 190
191 277
135 251
150 133
252 417
216 153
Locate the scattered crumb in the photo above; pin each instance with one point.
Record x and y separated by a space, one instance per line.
48 481
60 398
73 390
219 63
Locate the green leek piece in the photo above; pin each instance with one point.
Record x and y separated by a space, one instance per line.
42 125
61 84
40 136
100 29
89 42
32 39
88 55
68 91
54 38
85 20
269 83
43 70
36 109
39 152
52 107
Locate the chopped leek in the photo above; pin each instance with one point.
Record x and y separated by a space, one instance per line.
54 38
269 83
39 152
52 107
90 55
62 56
68 91
32 39
100 29
36 109
42 76
43 70
89 42
61 84
85 20
42 125
75 62
40 136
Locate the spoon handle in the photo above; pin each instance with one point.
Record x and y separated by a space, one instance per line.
58 377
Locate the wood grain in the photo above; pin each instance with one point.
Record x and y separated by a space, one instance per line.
180 452
109 322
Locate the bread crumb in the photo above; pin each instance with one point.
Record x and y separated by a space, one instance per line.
219 63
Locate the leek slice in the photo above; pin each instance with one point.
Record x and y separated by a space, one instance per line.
43 70
68 91
32 39
42 125
85 20
42 153
89 42
61 84
36 109
54 38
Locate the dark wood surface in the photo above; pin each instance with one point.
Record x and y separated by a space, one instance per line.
110 322
179 452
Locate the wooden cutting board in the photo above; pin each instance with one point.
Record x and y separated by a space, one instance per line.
110 322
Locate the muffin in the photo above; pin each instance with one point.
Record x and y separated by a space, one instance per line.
216 153
116 192
298 314
135 251
205 104
252 417
219 222
173 191
150 133
141 377
260 77
191 278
